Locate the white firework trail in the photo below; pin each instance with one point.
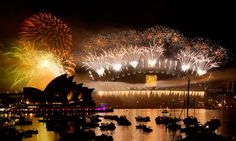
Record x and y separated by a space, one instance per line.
95 62
187 58
203 64
152 54
115 58
132 55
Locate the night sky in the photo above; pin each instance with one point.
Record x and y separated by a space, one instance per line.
213 20
195 18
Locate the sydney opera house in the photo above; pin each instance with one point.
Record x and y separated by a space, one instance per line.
61 91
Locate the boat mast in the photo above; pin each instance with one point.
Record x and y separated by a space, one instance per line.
188 96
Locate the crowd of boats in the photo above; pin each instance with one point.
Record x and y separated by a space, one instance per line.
8 130
80 127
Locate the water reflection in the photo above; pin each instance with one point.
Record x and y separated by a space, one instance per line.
130 133
43 134
159 131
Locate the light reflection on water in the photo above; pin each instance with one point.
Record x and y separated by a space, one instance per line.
123 133
130 133
43 135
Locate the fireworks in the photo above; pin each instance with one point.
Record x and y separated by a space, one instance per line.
49 33
116 58
187 58
121 58
96 63
46 45
163 35
155 50
156 35
67 61
132 55
203 64
109 41
46 29
152 54
201 57
34 67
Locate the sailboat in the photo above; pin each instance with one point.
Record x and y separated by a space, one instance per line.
195 131
191 123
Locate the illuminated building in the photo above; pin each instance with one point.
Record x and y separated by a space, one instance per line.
60 90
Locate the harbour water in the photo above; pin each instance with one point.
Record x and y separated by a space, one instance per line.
130 133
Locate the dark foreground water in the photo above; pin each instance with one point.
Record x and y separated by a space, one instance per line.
130 133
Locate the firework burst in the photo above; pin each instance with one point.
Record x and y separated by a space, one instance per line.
187 59
49 33
133 55
67 60
155 50
31 65
44 28
203 64
163 35
111 40
115 58
95 62
152 54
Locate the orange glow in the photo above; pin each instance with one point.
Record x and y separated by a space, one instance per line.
151 80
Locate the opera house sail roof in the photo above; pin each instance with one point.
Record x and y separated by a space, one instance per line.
61 89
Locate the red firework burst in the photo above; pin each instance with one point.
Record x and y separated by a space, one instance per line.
44 28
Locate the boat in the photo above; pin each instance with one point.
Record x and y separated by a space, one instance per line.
95 118
205 132
147 129
212 125
191 120
166 120
142 119
165 112
140 126
111 117
107 126
197 132
122 120
173 126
